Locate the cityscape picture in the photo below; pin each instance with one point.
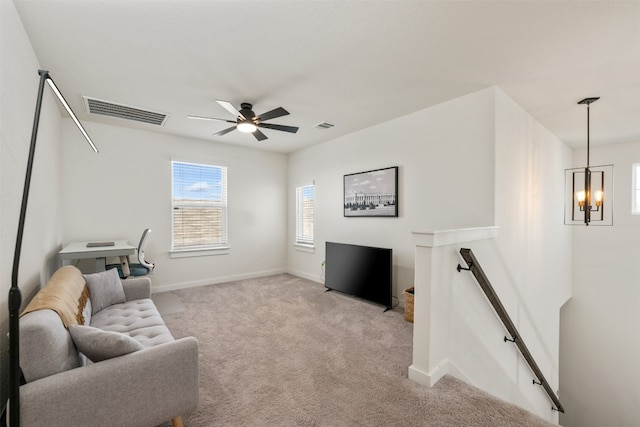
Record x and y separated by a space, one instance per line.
371 193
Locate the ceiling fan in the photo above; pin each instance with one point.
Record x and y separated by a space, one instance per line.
247 121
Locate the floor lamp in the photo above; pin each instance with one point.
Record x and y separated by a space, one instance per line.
15 296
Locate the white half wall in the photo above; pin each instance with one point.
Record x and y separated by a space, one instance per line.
127 187
600 325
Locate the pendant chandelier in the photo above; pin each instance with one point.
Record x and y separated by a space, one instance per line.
589 198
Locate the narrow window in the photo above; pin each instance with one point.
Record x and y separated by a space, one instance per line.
199 206
635 190
305 196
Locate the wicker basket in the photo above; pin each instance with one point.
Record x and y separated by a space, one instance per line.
408 304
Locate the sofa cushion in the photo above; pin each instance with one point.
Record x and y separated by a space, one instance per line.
105 289
46 347
139 319
100 345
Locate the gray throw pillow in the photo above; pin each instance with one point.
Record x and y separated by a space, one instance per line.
105 289
99 345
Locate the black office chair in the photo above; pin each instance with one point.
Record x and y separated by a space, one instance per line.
142 267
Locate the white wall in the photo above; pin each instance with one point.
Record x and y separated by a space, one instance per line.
445 157
42 236
600 325
531 270
127 187
529 264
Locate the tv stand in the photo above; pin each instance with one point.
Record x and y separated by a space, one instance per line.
386 308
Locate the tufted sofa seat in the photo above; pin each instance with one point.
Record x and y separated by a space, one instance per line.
154 381
139 319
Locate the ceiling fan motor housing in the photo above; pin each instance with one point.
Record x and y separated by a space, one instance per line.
245 110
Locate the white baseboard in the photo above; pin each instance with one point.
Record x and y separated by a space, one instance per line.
429 379
420 377
312 277
214 281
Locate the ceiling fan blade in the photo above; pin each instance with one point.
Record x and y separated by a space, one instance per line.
230 108
278 112
225 131
210 118
259 135
283 128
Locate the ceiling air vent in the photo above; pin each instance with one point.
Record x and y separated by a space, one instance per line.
324 125
121 111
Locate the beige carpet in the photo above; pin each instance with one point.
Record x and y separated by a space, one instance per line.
279 351
168 303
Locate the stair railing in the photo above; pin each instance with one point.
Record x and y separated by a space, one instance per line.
474 267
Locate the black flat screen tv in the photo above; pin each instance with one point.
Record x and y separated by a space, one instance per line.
361 271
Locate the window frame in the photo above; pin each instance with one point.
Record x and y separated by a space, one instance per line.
301 241
209 248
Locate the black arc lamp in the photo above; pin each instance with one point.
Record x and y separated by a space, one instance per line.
15 296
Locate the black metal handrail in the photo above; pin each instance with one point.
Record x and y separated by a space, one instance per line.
483 281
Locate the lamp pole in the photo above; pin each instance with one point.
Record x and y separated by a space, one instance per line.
15 296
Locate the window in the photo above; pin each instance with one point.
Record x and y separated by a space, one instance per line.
199 206
635 190
305 196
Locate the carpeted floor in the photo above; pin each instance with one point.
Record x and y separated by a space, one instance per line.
280 351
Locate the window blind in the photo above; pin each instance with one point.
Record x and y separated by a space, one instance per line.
199 206
305 196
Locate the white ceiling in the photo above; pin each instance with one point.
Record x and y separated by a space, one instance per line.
350 63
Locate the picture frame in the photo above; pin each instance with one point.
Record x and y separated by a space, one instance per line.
372 193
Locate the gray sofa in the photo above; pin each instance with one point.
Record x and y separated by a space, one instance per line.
116 365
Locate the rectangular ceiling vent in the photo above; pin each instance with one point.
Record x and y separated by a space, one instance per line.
324 125
121 111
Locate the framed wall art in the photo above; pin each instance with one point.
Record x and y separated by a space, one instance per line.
371 193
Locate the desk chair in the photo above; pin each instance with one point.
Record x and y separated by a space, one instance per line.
142 267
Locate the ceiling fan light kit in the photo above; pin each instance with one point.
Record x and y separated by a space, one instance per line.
247 121
247 126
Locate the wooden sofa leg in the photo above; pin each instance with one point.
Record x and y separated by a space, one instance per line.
177 422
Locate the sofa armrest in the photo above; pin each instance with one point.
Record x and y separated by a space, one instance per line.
137 288
144 388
